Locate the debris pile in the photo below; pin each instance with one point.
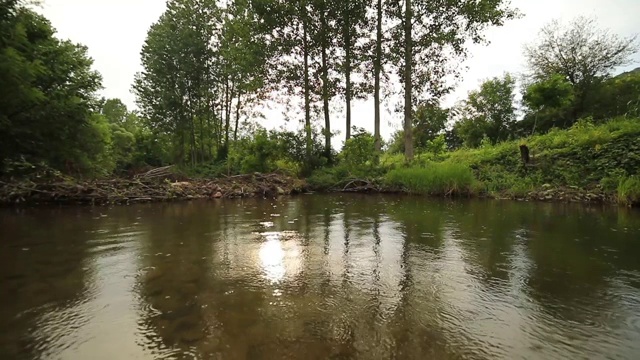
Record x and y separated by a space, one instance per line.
155 185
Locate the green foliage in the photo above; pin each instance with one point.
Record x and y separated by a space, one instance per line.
488 112
434 179
549 102
629 190
437 146
618 96
47 93
583 54
328 178
585 155
359 150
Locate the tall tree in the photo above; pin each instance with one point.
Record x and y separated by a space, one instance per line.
352 22
431 37
581 52
377 69
292 40
44 78
173 90
324 34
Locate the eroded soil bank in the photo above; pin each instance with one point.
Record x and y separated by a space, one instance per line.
136 190
64 190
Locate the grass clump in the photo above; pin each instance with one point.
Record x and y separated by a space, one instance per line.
629 190
434 179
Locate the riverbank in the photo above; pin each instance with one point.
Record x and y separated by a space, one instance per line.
131 191
586 163
66 190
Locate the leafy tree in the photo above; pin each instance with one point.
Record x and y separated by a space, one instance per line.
47 93
351 20
582 53
549 102
203 65
488 112
618 96
291 48
430 38
359 150
429 122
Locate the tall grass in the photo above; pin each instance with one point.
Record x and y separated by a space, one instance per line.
629 190
434 179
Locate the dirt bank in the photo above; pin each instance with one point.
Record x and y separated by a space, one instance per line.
128 191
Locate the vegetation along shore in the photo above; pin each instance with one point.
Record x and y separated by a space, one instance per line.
561 131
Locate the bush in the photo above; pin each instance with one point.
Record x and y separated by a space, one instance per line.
326 178
359 150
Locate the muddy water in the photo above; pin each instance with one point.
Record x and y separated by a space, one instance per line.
320 277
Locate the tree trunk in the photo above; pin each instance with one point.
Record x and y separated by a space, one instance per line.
377 68
325 84
235 131
201 135
408 59
227 113
347 65
307 97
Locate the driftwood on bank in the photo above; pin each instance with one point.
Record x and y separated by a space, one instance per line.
154 185
164 171
357 185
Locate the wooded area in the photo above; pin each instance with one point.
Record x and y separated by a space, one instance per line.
209 65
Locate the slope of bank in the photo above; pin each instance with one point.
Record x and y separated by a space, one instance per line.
586 163
66 190
593 163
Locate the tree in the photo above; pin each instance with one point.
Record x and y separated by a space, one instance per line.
175 90
582 53
377 69
549 102
47 93
488 112
429 121
291 49
618 96
352 22
203 65
431 37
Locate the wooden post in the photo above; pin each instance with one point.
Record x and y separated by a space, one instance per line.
524 153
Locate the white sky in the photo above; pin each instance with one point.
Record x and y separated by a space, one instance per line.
114 31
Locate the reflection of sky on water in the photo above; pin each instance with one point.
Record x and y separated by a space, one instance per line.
279 254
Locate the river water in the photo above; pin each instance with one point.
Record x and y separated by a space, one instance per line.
321 277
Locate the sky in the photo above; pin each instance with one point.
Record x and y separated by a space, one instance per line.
115 30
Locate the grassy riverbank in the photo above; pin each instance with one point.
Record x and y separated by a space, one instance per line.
584 163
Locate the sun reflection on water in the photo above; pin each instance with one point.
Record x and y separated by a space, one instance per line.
279 255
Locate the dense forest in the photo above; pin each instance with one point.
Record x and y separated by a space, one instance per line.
209 66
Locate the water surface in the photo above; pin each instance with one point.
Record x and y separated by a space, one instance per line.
321 277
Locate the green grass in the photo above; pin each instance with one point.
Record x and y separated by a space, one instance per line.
586 156
434 179
629 190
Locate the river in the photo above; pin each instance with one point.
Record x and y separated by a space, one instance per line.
321 277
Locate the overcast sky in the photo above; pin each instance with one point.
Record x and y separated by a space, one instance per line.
114 31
